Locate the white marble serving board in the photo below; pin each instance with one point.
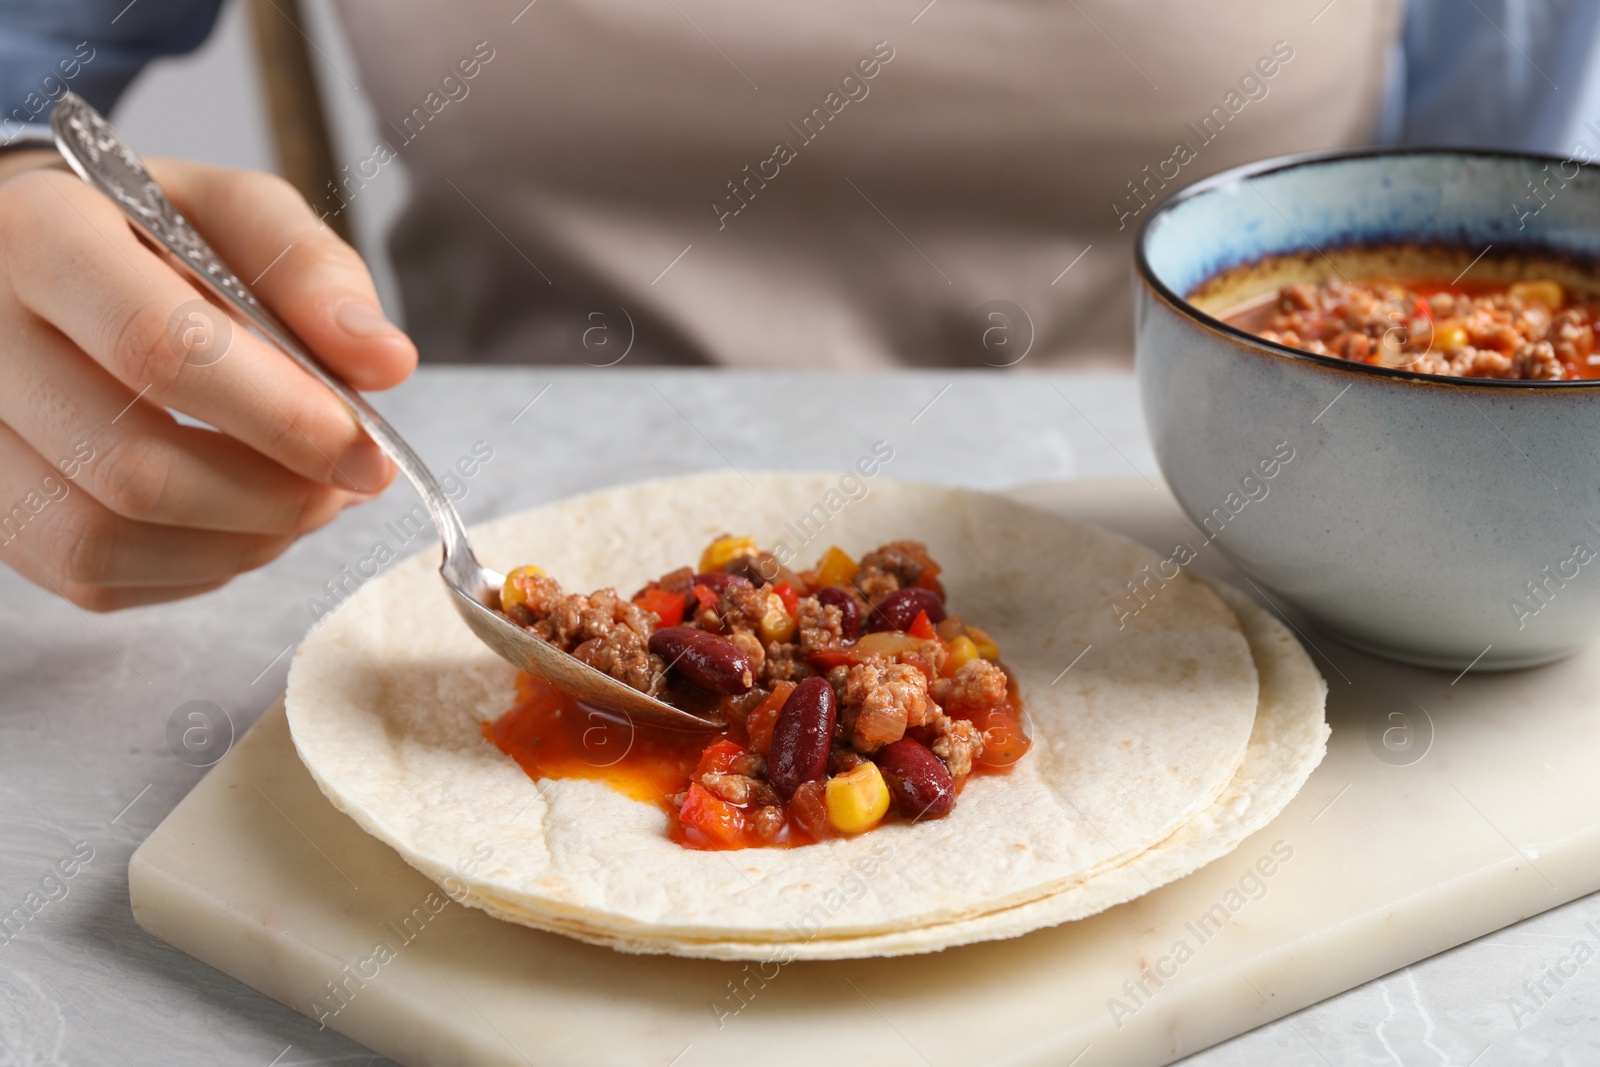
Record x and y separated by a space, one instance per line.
1474 809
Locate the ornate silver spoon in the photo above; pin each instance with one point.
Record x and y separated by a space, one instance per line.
100 157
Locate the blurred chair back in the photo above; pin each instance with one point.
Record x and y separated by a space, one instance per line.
294 106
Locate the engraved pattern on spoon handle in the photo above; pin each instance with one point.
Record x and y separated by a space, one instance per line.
100 157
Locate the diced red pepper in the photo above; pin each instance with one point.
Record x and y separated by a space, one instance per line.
929 580
718 758
668 607
791 599
922 629
707 597
764 716
719 822
1004 743
1422 310
829 658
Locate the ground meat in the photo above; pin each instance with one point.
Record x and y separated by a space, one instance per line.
750 764
839 677
1573 338
785 662
679 581
1356 346
575 618
959 742
541 594
763 568
739 789
843 759
626 656
734 788
881 699
821 626
1495 332
875 585
929 658
1536 361
1465 362
737 708
769 821
891 567
977 683
608 633
741 608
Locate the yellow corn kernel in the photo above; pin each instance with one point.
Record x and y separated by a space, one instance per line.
957 651
511 593
724 550
857 801
987 648
1545 292
835 568
776 622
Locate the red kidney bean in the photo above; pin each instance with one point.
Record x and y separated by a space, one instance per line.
719 581
919 783
849 610
709 661
899 609
802 737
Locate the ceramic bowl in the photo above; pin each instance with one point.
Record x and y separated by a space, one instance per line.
1446 522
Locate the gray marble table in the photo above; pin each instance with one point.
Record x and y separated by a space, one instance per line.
86 768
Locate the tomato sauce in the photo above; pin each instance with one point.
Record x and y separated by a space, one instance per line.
552 736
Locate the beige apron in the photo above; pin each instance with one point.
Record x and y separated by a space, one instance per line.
839 183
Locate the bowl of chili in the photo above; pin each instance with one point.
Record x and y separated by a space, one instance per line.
1371 380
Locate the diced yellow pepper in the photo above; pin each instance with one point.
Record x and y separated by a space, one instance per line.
835 568
511 593
1449 334
958 651
724 550
987 648
857 801
1545 292
776 622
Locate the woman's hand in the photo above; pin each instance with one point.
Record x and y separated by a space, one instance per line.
105 497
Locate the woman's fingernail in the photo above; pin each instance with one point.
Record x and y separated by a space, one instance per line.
361 319
363 467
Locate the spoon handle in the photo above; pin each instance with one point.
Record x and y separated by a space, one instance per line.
101 158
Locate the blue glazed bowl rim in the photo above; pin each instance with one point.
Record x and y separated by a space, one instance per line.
1275 164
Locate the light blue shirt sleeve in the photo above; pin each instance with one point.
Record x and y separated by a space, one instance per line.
1510 74
93 47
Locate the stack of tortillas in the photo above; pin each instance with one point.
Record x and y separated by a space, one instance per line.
1160 739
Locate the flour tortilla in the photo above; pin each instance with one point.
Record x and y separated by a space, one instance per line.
387 697
1288 742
